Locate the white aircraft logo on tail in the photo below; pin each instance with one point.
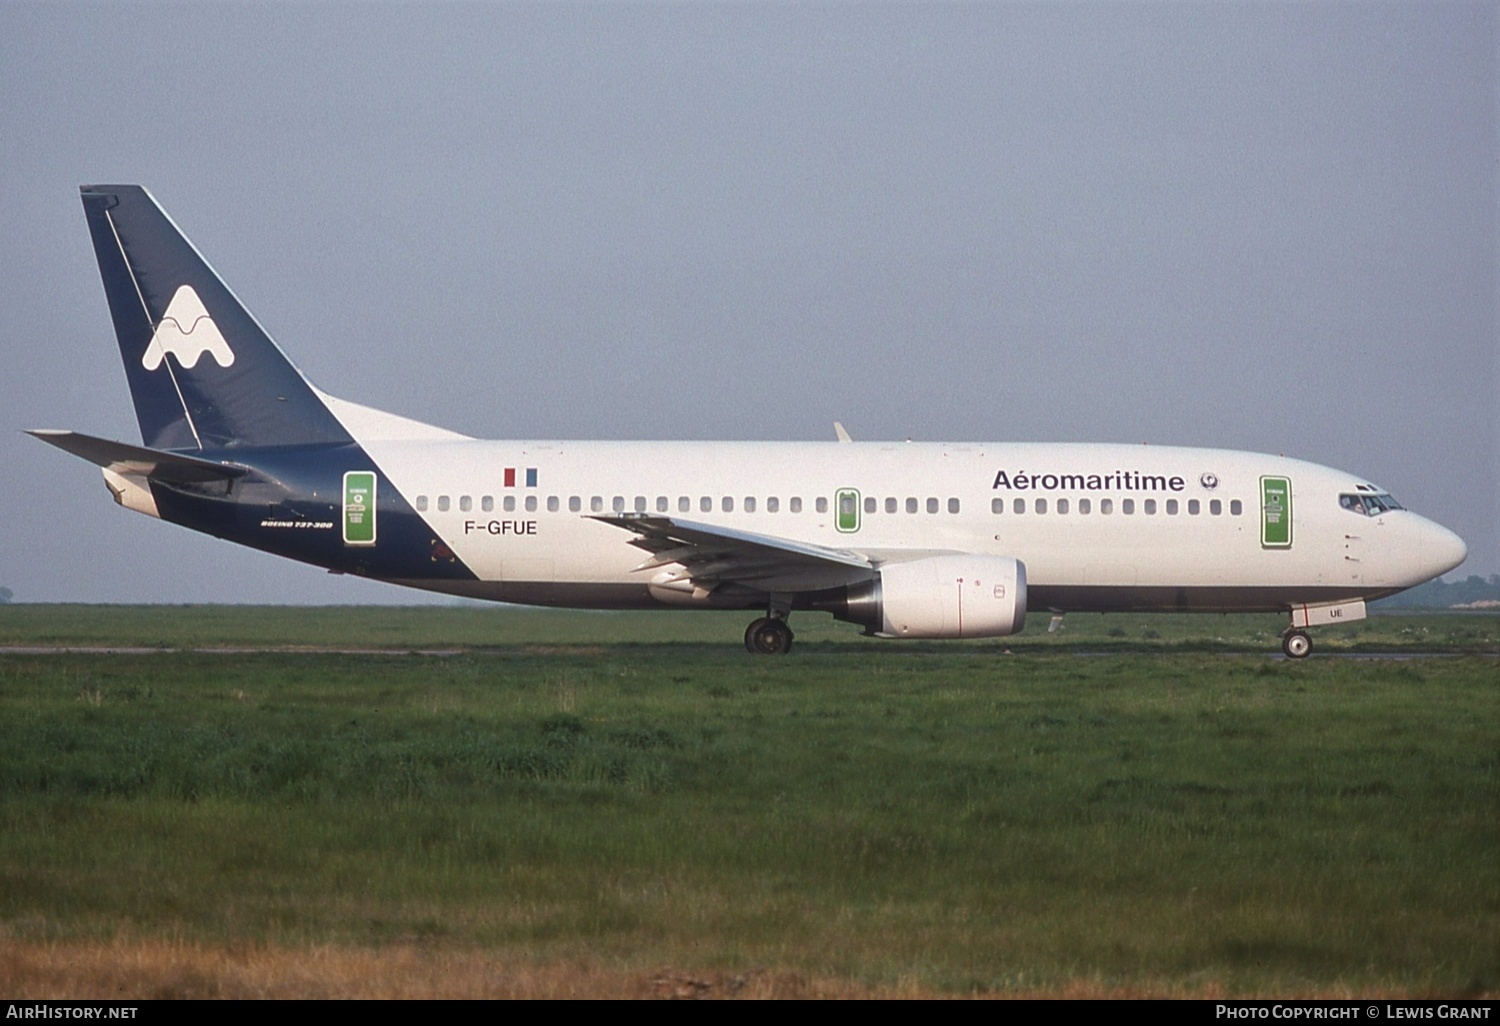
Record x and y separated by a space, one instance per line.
187 332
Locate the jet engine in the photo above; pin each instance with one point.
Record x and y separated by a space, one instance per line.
942 597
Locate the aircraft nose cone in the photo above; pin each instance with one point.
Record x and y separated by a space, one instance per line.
1442 550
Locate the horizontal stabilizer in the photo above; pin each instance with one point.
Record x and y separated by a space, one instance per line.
139 461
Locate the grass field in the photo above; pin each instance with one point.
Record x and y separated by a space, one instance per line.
607 804
488 626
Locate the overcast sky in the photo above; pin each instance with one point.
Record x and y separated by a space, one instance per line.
1242 225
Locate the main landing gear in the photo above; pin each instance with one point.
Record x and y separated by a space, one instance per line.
1296 644
770 635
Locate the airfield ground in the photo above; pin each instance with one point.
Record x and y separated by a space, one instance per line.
581 804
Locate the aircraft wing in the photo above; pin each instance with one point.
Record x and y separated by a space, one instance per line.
709 556
138 461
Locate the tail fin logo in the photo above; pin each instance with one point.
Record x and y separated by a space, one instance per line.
187 332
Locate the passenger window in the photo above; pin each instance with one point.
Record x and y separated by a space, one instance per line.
465 503
1040 505
684 504
997 505
706 504
952 505
421 504
1127 506
661 504
442 503
531 503
1215 507
773 504
932 505
1062 505
870 504
509 504
749 504
1193 507
1236 507
1084 505
822 504
1171 507
727 504
575 504
1106 506
796 504
487 504
596 504
618 503
1150 507
891 505
640 504
1019 506
911 505
553 504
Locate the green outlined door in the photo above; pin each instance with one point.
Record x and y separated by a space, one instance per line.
846 510
1276 512
359 508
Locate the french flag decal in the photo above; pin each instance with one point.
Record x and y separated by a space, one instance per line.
510 477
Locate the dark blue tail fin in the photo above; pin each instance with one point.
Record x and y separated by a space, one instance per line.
202 372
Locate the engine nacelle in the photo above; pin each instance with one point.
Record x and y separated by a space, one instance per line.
942 597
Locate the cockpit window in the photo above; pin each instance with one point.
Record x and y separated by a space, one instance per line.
1369 505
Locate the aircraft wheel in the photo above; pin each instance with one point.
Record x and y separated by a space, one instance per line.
751 634
768 636
1296 644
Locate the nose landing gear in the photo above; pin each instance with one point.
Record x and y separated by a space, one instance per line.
1296 644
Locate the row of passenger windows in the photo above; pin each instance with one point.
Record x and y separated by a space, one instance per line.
911 505
662 504
618 504
1127 506
749 504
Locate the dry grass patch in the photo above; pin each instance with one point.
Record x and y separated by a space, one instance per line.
152 969
123 970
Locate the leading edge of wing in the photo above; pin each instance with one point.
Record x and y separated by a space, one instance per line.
139 460
712 555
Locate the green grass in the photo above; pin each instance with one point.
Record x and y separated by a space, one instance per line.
401 628
877 812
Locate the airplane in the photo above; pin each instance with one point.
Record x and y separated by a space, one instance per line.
905 539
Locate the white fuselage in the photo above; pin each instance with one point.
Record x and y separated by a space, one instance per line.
1097 526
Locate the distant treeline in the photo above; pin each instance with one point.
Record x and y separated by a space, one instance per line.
1441 594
